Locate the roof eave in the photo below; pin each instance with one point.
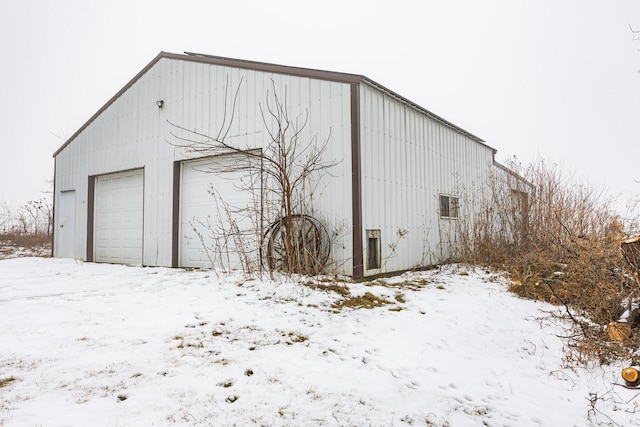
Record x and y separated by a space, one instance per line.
111 101
426 112
272 68
219 60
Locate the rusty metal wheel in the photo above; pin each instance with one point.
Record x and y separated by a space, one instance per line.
296 244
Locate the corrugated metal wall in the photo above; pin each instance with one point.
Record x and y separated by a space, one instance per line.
408 160
132 133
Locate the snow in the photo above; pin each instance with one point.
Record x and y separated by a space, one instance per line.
110 345
9 249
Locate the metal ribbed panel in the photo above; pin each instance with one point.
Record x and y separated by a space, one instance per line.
131 132
409 159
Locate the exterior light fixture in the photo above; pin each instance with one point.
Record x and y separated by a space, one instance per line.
160 103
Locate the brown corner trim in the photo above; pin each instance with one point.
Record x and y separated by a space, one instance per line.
53 210
175 220
90 216
144 208
356 189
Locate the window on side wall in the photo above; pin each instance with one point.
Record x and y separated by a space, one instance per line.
449 206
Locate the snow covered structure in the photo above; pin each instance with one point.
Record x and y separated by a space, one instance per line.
123 193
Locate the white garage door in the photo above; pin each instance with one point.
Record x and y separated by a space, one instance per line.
118 217
216 217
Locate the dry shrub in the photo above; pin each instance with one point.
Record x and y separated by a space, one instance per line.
341 290
368 300
560 242
6 381
26 240
16 244
595 345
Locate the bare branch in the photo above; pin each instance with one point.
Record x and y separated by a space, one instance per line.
285 170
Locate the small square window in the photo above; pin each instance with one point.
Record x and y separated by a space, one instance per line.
449 206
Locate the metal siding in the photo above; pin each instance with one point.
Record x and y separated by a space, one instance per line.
409 159
132 131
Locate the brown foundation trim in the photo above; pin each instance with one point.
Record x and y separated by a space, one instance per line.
356 194
175 220
90 216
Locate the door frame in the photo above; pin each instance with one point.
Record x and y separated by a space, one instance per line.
66 207
91 211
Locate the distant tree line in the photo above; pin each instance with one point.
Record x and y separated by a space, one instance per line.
33 218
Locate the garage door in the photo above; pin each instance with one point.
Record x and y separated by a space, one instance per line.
216 217
118 217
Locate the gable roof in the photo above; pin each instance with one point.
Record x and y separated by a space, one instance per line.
271 68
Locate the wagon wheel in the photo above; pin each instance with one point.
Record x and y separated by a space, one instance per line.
297 244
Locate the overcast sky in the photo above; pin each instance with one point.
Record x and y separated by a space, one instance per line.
556 79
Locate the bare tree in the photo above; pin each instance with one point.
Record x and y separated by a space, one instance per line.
636 36
283 174
6 218
36 217
560 244
32 212
636 33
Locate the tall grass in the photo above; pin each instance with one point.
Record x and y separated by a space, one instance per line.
560 241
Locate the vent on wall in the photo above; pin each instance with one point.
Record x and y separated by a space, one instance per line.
373 249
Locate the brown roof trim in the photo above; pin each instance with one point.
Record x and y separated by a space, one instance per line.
229 62
513 174
110 101
267 67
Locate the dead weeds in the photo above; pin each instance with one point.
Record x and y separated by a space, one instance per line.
4 382
338 288
293 337
24 244
413 285
368 300
559 241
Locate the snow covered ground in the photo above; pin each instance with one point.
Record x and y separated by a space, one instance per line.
9 249
105 345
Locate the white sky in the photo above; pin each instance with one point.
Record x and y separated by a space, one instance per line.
538 78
